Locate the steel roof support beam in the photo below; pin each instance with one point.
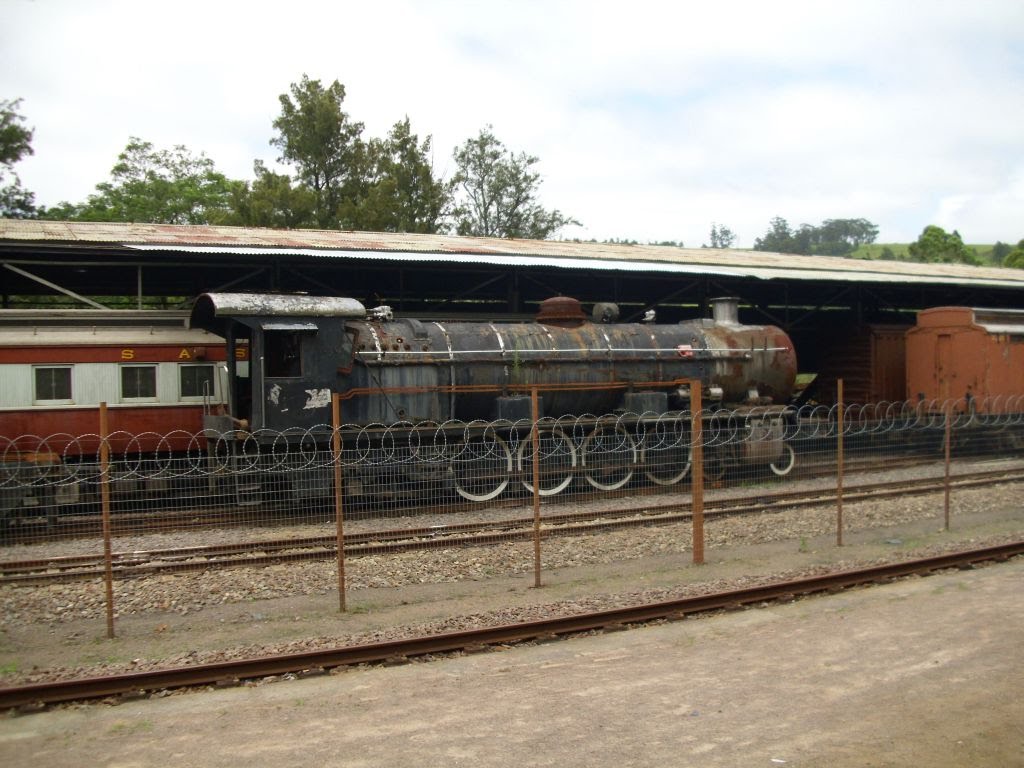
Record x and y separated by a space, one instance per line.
549 291
247 276
665 298
330 289
55 287
826 303
469 292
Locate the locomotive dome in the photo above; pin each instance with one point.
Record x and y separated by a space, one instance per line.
561 310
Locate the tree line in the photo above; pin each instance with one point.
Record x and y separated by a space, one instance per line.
342 179
842 237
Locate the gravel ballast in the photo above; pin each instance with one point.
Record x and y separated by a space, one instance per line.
58 631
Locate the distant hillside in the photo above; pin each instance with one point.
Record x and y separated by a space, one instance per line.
899 251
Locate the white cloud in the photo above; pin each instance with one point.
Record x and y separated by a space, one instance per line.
985 211
651 119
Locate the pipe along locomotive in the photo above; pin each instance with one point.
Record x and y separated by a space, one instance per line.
396 373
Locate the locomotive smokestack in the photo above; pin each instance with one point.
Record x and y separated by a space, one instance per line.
726 310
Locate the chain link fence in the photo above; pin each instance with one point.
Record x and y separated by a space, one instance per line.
347 495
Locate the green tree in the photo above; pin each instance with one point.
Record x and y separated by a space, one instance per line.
325 146
834 237
1000 251
839 237
159 186
271 200
16 202
496 192
402 193
780 238
721 237
937 246
1015 258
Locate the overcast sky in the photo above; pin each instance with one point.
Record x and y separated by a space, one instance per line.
651 119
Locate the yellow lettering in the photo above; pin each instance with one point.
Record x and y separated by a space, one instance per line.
184 355
127 354
240 353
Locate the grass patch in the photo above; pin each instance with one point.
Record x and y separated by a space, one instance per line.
901 252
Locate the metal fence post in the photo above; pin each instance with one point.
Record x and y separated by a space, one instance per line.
697 492
946 441
339 510
108 559
535 437
839 463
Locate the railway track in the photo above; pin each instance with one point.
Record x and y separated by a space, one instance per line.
260 553
31 530
39 695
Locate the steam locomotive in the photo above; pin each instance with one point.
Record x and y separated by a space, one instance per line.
402 371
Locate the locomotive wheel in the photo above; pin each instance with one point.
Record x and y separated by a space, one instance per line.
665 451
482 468
1012 441
785 463
669 465
714 465
557 461
608 457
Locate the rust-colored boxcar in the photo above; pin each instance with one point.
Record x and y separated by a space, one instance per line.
960 352
868 358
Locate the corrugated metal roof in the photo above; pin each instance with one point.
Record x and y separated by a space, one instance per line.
568 262
476 250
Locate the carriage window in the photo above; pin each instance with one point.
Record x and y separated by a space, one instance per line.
138 382
53 384
196 381
283 353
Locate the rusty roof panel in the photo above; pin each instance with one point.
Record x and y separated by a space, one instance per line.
450 248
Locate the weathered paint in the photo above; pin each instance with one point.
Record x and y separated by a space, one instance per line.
324 244
134 428
960 352
870 359
270 305
95 348
745 364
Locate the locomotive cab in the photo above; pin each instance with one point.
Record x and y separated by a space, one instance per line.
294 352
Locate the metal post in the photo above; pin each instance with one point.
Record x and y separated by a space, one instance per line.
839 462
947 440
535 437
697 491
339 511
108 559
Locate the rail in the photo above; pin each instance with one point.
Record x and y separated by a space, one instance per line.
392 542
318 662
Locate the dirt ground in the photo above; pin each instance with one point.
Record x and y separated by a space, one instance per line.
923 672
244 628
919 672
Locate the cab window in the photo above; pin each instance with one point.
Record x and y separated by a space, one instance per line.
283 354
